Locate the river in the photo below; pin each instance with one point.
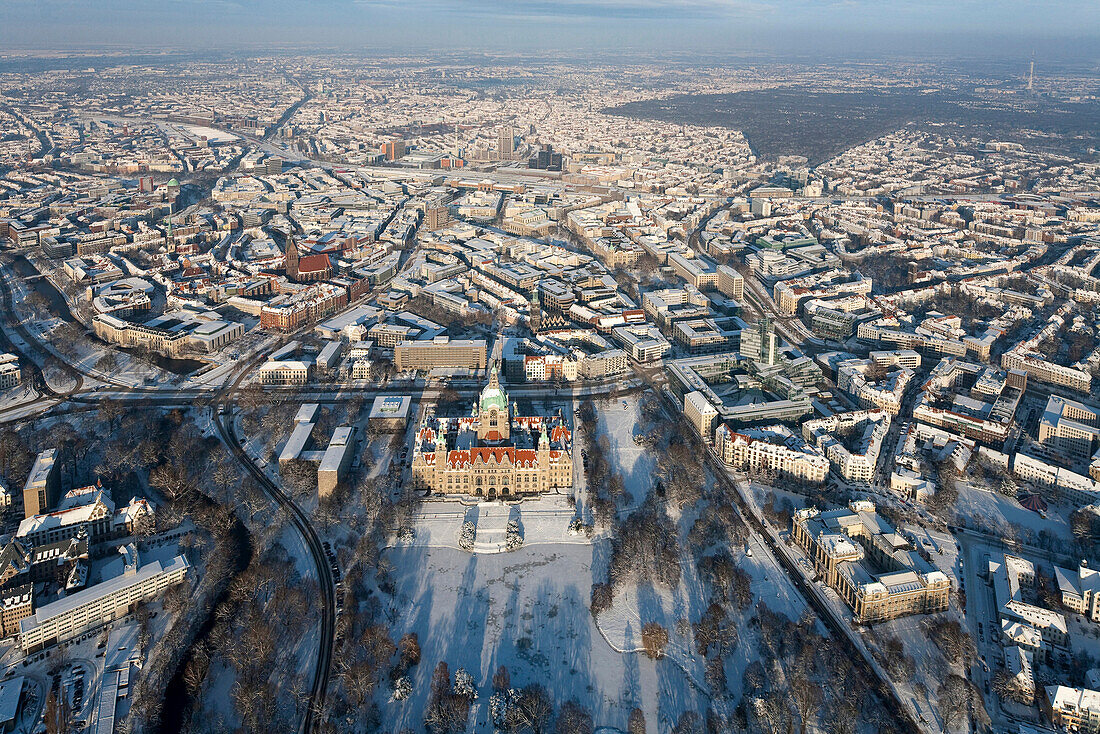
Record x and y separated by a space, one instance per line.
30 275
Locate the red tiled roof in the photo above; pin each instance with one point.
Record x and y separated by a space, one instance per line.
313 263
497 454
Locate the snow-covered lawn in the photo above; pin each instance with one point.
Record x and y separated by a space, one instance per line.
1084 635
527 610
542 520
636 464
999 512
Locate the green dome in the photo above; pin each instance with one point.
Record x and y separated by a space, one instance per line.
174 182
492 396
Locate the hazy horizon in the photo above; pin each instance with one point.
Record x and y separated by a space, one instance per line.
782 28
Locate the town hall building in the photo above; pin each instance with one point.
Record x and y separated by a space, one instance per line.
493 453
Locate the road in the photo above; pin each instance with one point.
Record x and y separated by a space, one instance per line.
841 631
31 346
223 408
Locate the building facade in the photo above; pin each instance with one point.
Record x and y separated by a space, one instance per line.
840 542
772 449
98 605
440 352
493 453
10 375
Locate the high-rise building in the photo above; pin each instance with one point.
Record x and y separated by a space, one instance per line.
506 142
436 215
394 150
545 159
759 343
731 283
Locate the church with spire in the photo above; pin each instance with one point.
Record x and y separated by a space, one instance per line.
493 452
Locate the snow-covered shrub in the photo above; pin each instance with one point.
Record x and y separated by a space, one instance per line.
576 526
466 540
405 535
464 684
502 707
402 688
514 536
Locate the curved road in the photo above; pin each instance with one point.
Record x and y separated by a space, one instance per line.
321 673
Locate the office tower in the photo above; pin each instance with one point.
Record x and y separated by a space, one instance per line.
43 487
394 150
436 215
545 159
758 342
731 283
506 143
760 207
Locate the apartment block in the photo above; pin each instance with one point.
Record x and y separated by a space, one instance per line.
10 375
1080 590
101 604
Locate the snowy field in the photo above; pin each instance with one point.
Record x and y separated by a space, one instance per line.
527 610
1006 514
636 464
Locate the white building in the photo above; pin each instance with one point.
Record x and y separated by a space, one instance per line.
886 393
644 343
284 372
1080 590
10 375
101 604
865 430
772 449
701 413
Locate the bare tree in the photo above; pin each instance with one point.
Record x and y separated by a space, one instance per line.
807 698
654 640
532 711
954 699
574 719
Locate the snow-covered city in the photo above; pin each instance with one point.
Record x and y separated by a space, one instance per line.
574 392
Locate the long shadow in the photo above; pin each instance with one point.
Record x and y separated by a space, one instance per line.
639 480
413 605
459 644
545 637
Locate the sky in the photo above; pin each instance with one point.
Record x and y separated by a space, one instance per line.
1003 28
